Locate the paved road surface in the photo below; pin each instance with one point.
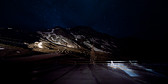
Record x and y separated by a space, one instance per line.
67 70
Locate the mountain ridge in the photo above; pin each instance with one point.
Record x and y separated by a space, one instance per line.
80 39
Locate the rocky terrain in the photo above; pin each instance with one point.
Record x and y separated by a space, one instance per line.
80 39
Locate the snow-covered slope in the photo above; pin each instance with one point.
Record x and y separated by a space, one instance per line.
77 38
92 39
58 39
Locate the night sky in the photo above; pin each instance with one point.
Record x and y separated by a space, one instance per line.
144 19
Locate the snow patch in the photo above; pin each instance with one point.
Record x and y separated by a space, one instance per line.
52 31
39 44
106 43
115 46
123 67
78 36
2 48
91 46
93 40
58 39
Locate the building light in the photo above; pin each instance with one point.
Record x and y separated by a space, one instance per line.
39 44
10 28
70 46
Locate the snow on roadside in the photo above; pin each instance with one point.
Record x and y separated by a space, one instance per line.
2 48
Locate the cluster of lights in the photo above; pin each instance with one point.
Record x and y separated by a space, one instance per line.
39 44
